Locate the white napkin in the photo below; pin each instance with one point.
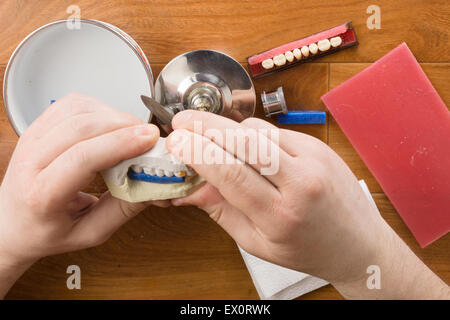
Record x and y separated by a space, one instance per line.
274 282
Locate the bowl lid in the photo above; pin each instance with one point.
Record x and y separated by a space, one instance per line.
97 59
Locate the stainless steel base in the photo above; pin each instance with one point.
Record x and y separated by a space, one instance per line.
207 80
274 102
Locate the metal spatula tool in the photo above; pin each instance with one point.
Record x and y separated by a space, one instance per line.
203 80
164 114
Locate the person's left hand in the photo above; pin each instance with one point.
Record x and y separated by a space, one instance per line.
42 210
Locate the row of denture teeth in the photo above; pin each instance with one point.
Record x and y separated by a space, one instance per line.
158 172
313 48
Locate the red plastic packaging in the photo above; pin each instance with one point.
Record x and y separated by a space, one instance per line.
345 31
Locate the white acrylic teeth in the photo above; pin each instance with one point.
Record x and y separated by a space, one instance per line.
313 48
279 60
136 168
289 56
150 171
162 172
159 172
305 51
324 45
267 64
336 42
297 54
168 173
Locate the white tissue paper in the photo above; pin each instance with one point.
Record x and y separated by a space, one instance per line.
274 282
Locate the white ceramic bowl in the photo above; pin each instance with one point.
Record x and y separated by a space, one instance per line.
98 59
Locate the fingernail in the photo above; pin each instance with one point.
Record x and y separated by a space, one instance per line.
181 117
145 130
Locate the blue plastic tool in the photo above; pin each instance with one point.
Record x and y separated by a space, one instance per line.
302 117
142 176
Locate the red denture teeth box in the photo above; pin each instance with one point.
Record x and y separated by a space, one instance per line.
302 50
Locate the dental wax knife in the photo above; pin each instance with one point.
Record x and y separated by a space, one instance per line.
163 114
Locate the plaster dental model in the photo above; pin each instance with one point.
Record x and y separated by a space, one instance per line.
154 175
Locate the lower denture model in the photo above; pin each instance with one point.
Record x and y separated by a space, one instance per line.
154 175
303 50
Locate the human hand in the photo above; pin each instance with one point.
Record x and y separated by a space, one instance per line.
42 211
309 215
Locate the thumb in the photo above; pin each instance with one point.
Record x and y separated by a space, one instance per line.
205 198
105 217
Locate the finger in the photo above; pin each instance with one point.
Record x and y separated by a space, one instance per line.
247 144
233 221
239 184
69 105
288 140
206 196
81 202
75 168
78 128
257 123
301 144
108 215
160 203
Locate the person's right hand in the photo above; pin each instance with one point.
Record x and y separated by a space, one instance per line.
310 215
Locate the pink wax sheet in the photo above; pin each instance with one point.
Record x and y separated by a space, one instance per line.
400 127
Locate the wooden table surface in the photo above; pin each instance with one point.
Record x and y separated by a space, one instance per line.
181 253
